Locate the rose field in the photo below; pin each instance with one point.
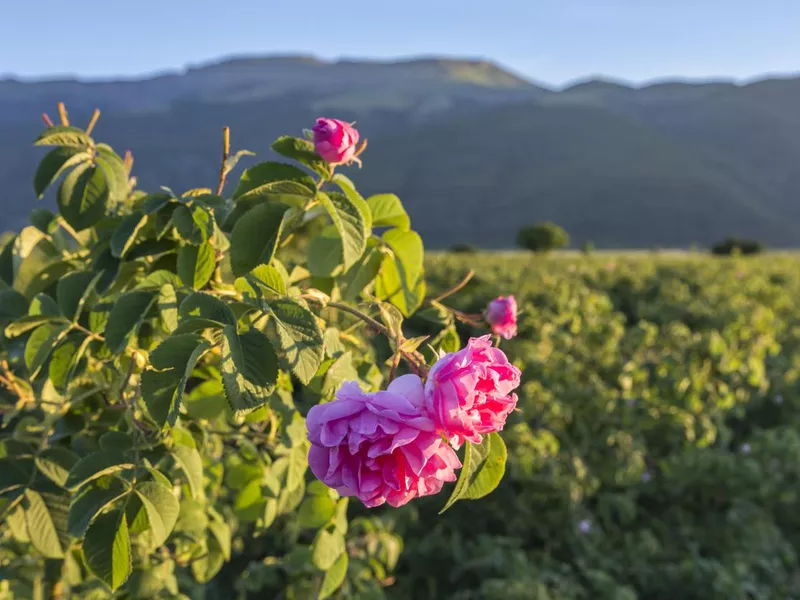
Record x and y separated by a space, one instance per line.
265 389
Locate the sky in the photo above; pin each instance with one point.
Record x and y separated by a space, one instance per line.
549 41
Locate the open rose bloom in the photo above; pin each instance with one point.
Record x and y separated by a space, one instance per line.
335 141
501 314
470 392
379 447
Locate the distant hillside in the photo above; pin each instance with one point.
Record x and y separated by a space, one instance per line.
474 150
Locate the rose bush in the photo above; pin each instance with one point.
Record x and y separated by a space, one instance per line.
160 354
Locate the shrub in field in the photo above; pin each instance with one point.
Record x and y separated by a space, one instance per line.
542 237
170 363
730 246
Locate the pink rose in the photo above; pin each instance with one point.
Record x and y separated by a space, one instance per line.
501 314
335 141
469 392
379 447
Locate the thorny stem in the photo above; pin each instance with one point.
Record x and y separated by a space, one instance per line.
226 150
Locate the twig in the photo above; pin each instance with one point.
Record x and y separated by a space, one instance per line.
62 114
93 121
226 150
470 274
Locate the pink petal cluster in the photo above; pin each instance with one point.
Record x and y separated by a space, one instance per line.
501 314
334 140
469 393
379 447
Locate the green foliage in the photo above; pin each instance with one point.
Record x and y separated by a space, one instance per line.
655 453
542 237
731 246
158 354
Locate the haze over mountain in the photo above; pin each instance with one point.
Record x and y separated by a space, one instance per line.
474 150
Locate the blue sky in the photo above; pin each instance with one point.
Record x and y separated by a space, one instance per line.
553 41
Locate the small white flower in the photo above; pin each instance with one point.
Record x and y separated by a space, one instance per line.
745 448
585 526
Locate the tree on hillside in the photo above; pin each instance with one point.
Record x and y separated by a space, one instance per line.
734 245
542 237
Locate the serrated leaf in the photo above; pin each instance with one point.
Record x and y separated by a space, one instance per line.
115 173
361 274
91 501
388 211
73 291
83 197
334 577
124 235
302 151
45 516
326 548
163 384
249 368
206 307
269 179
300 337
41 343
196 265
349 190
168 307
190 462
107 548
400 278
162 509
194 224
255 237
96 465
482 471
126 317
349 223
266 275
60 135
325 255
54 164
55 463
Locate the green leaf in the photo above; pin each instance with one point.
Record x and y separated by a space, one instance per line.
349 190
206 307
300 337
250 502
484 466
206 401
266 275
163 384
96 465
65 361
116 441
43 220
232 161
61 135
194 224
208 564
315 511
269 179
361 274
222 532
334 577
42 304
41 343
324 255
326 548
349 223
125 234
168 307
107 548
55 463
126 317
27 323
400 278
54 164
249 368
388 211
162 509
303 152
15 473
45 516
408 252
93 499
190 462
83 197
115 173
73 291
196 265
255 237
